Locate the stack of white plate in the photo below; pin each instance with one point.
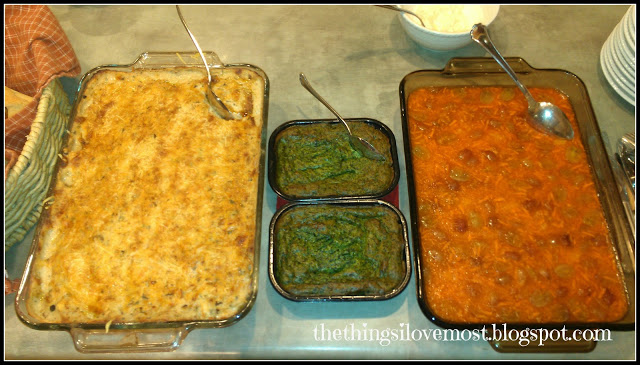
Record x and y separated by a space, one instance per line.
618 57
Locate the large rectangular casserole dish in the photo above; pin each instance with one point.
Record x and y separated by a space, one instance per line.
484 72
162 231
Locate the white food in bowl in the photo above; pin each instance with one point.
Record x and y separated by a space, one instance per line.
447 27
447 18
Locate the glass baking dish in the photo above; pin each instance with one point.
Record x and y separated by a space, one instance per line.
150 336
355 209
299 127
486 72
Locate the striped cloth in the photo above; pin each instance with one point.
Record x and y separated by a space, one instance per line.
36 50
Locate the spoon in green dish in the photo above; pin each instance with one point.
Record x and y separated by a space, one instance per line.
357 143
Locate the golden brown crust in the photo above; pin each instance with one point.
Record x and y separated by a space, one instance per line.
154 214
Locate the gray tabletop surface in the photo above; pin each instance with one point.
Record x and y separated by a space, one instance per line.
356 56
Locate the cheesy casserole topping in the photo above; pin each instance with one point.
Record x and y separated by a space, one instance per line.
153 214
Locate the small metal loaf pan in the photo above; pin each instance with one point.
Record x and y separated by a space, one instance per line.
341 250
313 160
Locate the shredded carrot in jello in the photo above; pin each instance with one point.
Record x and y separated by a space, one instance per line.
511 228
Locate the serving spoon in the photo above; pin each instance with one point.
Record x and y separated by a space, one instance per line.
543 116
357 143
212 98
397 8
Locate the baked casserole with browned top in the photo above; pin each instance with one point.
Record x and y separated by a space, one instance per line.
153 212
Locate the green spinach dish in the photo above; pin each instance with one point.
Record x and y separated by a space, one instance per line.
332 250
316 160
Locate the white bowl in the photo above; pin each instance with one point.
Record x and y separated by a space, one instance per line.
443 36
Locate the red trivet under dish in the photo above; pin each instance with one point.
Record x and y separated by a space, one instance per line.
391 198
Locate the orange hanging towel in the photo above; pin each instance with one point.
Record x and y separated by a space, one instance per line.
36 51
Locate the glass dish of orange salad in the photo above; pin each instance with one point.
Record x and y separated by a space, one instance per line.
511 227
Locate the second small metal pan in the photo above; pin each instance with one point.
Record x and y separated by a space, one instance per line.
330 251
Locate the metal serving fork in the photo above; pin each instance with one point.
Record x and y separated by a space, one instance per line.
627 157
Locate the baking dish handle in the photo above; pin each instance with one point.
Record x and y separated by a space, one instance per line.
127 340
461 65
164 59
